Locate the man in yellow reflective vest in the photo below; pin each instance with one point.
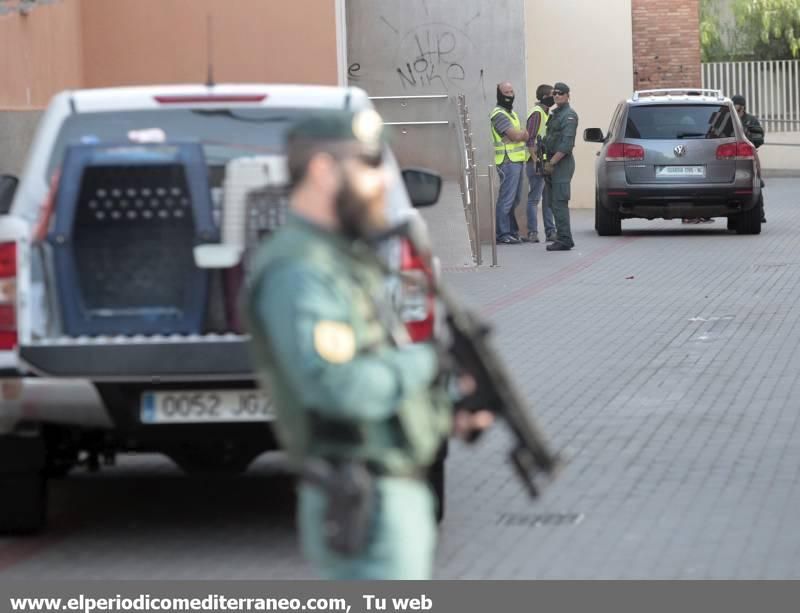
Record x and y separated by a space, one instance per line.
510 155
537 127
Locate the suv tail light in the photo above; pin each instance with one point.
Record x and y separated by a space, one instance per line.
736 151
621 152
417 303
8 296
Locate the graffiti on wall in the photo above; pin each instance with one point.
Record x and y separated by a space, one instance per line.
435 55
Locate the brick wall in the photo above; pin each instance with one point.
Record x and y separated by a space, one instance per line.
666 43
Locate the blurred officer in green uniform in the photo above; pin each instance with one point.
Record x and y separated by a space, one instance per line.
559 142
361 411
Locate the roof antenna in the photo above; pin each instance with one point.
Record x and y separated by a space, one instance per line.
210 45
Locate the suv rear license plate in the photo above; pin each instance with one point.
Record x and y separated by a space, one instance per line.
204 406
680 171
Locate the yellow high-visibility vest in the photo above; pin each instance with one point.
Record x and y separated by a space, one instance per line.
545 117
516 152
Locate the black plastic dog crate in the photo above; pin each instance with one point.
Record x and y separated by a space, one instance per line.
126 221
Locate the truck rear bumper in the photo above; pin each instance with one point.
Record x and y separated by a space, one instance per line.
72 402
227 357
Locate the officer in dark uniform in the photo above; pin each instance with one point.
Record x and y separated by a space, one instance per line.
361 411
559 141
755 134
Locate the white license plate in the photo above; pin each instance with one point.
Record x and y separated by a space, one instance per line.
204 406
680 171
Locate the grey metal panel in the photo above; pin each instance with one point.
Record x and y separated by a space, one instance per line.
450 47
16 133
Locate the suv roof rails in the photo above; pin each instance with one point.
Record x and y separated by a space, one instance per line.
685 91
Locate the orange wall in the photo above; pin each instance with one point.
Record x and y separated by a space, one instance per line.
101 43
40 54
164 41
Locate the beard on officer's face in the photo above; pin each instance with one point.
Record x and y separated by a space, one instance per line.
361 203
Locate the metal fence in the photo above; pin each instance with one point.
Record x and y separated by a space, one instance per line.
772 89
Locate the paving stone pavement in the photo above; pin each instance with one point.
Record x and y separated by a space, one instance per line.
664 363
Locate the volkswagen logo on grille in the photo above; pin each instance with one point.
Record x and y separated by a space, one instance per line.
680 151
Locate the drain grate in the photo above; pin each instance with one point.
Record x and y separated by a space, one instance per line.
540 519
771 266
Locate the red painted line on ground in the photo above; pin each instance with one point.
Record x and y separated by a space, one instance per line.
537 287
25 547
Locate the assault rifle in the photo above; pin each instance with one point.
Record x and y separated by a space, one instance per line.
473 354
539 167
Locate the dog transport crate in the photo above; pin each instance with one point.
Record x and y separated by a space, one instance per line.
126 220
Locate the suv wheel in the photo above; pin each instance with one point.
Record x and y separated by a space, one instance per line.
23 493
749 222
733 222
607 223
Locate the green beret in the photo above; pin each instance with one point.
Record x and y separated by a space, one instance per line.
562 87
364 128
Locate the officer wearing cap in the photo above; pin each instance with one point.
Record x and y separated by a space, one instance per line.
360 411
559 141
754 133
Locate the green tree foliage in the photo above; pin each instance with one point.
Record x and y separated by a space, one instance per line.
712 46
763 30
769 27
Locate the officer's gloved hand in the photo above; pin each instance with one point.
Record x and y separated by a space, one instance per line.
468 425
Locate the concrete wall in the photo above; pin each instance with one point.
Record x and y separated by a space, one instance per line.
16 133
587 45
420 47
424 47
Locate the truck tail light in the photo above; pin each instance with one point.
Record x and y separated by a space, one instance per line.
417 303
623 152
211 98
8 296
46 210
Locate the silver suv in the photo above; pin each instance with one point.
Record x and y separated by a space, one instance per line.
674 154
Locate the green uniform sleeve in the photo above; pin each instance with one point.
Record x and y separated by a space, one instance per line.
370 384
569 129
755 131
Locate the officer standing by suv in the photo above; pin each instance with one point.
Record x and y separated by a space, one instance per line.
360 410
559 141
754 133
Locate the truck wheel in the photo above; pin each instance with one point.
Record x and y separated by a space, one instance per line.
749 222
607 223
436 481
23 491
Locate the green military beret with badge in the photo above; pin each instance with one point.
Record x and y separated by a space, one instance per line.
340 133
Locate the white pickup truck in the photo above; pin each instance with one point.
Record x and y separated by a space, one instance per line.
112 338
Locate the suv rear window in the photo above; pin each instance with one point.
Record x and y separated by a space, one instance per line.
678 121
